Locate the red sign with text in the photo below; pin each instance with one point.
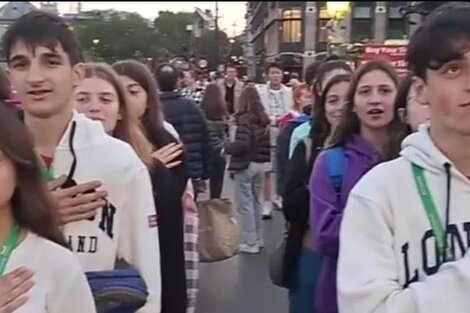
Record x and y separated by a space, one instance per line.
395 54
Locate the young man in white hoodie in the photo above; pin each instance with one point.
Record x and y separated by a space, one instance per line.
44 57
406 229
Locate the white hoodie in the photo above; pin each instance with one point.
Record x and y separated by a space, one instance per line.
387 260
126 227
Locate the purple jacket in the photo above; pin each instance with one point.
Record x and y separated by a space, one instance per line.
326 212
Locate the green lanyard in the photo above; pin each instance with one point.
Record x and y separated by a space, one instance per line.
436 224
8 246
47 173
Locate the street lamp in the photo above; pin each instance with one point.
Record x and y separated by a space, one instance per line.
337 10
189 30
96 41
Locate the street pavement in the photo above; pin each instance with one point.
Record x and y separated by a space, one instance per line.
241 284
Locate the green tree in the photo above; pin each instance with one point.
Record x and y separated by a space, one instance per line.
124 35
209 46
171 30
118 37
236 48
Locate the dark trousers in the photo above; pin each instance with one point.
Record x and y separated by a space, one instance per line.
217 176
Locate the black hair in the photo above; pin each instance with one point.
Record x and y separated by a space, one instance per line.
402 99
166 76
230 65
273 65
311 72
5 86
444 36
39 28
329 66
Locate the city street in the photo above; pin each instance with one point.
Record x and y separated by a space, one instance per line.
242 284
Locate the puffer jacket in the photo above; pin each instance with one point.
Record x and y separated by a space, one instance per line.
191 125
252 142
218 132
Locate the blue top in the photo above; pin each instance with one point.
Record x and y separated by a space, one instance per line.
300 133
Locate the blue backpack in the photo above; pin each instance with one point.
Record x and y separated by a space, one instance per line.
118 291
335 166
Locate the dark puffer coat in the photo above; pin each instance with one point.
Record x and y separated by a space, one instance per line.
252 142
191 125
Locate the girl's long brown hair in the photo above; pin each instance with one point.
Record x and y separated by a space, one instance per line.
213 104
140 73
350 123
31 203
127 128
250 102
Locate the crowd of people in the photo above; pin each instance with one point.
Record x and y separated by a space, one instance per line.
101 168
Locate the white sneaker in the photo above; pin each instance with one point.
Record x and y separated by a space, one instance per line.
277 203
267 212
252 249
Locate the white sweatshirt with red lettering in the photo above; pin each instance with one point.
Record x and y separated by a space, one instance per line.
126 227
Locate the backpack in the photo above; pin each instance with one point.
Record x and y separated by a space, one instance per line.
335 166
118 291
335 163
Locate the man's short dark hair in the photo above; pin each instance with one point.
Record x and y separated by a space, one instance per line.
166 76
230 65
329 66
39 28
311 72
273 65
444 36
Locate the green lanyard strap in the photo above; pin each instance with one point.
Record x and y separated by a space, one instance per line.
47 173
8 246
434 219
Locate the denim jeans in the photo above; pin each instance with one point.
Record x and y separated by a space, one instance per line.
248 190
301 297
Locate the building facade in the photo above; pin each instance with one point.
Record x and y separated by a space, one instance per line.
296 33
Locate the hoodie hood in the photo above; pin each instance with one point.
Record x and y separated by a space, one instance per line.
301 119
81 133
418 148
357 145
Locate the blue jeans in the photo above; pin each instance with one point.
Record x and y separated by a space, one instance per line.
301 297
248 188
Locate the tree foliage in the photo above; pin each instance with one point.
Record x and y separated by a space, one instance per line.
128 35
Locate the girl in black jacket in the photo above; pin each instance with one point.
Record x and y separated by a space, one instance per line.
168 183
301 261
215 110
250 152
